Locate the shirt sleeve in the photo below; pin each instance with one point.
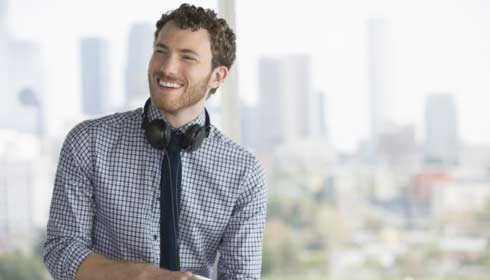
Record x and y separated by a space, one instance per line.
72 209
241 247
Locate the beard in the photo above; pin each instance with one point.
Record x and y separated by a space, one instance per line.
174 102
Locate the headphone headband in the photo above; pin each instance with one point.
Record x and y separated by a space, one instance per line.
158 132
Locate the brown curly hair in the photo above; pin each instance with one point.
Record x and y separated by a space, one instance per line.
223 45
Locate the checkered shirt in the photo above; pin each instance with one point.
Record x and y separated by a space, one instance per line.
106 200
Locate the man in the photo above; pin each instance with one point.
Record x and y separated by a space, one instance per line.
161 186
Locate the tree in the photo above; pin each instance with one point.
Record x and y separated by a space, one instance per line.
19 267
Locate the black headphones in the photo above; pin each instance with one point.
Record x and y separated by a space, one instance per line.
158 132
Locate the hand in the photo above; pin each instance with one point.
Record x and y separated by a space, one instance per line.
149 272
97 267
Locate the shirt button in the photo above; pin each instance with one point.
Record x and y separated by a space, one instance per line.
155 237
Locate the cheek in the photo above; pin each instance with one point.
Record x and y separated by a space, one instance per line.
201 74
152 65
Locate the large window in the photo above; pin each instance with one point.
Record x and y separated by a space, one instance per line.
370 118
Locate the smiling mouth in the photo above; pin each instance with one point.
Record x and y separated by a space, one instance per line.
168 84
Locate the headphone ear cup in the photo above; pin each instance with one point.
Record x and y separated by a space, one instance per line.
193 138
158 134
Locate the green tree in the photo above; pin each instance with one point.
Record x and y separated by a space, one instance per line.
20 267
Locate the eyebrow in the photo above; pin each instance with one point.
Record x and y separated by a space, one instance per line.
186 51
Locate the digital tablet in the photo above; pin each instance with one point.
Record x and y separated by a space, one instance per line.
198 277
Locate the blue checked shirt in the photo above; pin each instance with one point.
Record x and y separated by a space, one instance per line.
106 200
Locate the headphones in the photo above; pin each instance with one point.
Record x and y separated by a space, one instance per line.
159 133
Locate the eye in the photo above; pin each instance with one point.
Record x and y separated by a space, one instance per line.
189 58
160 50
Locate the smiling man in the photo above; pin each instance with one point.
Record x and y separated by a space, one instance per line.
158 192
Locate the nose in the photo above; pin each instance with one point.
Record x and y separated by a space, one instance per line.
169 65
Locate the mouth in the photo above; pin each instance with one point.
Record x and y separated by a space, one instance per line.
168 85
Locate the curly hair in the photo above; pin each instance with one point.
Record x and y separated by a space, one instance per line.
223 45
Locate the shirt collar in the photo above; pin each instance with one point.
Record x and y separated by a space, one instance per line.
154 113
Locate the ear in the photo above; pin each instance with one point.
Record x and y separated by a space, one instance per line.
218 76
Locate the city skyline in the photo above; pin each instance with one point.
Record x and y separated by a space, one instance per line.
285 115
443 48
419 210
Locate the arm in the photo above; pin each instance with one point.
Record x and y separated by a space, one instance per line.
72 210
241 247
68 248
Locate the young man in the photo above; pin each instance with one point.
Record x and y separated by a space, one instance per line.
157 192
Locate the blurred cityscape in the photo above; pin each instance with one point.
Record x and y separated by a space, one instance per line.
399 207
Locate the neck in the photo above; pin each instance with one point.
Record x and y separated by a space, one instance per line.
182 117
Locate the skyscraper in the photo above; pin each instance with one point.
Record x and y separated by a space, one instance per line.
442 130
139 53
25 75
248 126
95 75
398 146
285 100
295 97
4 39
3 17
379 49
269 109
319 121
15 190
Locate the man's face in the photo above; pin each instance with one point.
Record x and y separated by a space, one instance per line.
179 72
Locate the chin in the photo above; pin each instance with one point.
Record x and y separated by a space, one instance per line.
165 105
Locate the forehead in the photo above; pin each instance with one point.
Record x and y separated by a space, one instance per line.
176 38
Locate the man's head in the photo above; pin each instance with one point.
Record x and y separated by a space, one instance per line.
223 46
193 51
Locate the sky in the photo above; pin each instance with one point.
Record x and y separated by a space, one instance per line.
438 46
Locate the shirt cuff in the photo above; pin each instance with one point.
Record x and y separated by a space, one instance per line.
74 257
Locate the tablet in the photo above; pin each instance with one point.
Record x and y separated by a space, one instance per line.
198 277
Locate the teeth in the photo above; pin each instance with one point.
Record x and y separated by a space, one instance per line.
168 84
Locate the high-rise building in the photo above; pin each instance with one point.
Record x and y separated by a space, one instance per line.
398 146
379 49
21 109
319 118
285 100
4 61
3 17
442 130
269 109
139 52
297 106
95 75
15 188
249 122
16 181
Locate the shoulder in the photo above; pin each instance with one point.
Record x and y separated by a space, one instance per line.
81 137
114 122
227 147
234 155
111 123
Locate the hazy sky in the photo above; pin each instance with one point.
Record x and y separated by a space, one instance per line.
438 46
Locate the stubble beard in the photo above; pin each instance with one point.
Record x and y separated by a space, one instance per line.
192 95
